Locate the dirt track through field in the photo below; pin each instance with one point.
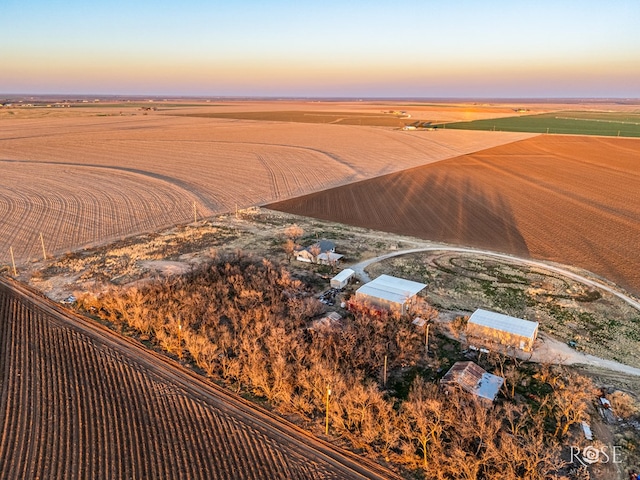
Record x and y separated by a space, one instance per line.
573 200
77 401
91 180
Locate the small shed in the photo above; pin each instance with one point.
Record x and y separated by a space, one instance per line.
329 322
491 327
342 279
389 292
473 379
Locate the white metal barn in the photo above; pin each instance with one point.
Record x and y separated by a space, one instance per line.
342 279
390 292
502 329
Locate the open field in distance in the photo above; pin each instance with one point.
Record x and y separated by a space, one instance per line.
382 119
86 180
612 124
573 200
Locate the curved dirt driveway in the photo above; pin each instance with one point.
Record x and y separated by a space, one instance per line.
547 349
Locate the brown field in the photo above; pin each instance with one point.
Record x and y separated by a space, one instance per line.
87 179
78 401
572 200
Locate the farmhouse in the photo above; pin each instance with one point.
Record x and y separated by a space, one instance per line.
342 279
473 379
320 252
490 327
390 292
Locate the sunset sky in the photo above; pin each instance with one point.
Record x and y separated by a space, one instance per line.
461 48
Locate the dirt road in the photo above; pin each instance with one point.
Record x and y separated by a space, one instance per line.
547 348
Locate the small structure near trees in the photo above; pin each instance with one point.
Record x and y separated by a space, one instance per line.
341 280
485 327
327 323
392 293
473 379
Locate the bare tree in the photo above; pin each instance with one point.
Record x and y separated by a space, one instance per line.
293 232
425 417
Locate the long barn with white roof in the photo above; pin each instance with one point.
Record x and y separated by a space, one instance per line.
390 292
485 326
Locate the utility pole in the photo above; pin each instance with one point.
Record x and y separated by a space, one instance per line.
13 262
195 213
384 375
44 252
426 338
179 339
326 421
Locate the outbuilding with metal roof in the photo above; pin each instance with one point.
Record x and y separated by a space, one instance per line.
390 292
487 327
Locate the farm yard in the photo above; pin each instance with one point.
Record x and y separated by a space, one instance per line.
592 320
572 200
77 401
84 180
600 323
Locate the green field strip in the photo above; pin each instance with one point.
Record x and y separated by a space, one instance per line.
565 123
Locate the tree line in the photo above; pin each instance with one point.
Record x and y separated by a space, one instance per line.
247 322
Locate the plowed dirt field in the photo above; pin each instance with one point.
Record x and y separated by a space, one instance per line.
79 402
86 180
574 200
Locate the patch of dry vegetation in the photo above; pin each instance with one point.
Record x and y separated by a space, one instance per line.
245 322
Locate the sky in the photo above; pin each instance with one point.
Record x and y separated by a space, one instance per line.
348 48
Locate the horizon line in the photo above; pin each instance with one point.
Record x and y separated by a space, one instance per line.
312 97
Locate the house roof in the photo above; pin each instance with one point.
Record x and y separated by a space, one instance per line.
325 246
504 323
474 379
344 275
392 289
330 257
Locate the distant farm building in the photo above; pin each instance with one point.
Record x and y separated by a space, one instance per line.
390 292
341 280
323 252
473 379
491 327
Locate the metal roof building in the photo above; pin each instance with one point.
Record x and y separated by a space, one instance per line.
502 329
473 379
342 279
390 292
